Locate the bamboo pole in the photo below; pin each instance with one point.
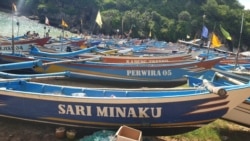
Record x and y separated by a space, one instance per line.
229 78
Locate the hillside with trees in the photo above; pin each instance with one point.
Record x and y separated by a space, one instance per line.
167 20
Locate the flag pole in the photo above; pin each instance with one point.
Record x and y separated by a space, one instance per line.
81 28
209 45
44 34
238 51
18 24
93 27
203 24
62 38
12 27
122 25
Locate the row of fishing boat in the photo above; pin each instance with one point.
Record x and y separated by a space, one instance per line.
149 96
95 68
161 109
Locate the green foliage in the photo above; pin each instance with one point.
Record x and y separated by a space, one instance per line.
111 20
29 3
218 130
42 6
51 8
168 20
70 10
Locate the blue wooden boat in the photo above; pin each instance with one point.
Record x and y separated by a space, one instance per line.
241 113
27 65
240 69
22 45
155 111
228 70
35 51
105 57
6 75
143 72
20 65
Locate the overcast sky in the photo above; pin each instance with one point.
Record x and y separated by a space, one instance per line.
246 3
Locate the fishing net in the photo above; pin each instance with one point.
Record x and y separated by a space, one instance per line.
103 135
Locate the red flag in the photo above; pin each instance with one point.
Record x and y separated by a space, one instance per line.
46 21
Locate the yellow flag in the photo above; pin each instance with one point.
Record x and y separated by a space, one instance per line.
64 24
14 7
99 19
215 41
150 34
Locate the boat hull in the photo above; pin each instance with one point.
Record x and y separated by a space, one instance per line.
232 60
22 45
147 59
240 114
110 108
122 72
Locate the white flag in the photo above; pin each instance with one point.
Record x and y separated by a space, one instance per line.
46 21
14 7
99 19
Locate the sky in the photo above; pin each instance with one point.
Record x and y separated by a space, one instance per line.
246 3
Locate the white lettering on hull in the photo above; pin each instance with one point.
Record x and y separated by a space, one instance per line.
147 61
117 112
9 48
74 110
149 72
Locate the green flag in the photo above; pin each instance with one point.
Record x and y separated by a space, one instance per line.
225 33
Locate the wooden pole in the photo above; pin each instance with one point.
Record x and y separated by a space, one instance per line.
12 41
71 61
238 51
